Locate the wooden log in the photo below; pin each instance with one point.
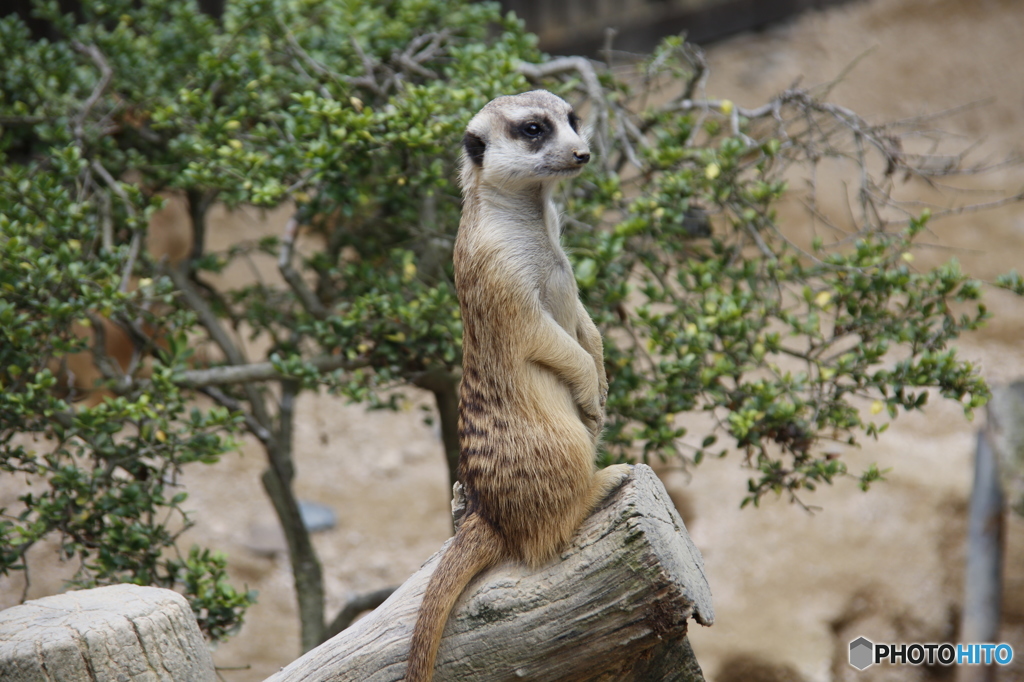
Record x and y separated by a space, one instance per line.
615 607
121 633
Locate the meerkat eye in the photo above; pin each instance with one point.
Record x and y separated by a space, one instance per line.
574 122
532 129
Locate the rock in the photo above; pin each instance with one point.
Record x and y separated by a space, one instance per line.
317 517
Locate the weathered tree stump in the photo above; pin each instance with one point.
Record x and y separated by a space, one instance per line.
614 608
122 633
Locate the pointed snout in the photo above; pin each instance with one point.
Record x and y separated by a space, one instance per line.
581 156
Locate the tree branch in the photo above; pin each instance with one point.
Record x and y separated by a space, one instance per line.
106 75
356 605
445 387
217 332
255 428
306 297
258 371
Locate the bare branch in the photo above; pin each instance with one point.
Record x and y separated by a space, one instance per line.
106 75
367 80
129 263
113 184
306 296
220 336
356 605
255 428
258 371
106 222
206 315
319 68
108 225
21 120
421 49
104 363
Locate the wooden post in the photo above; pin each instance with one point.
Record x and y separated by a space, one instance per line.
998 482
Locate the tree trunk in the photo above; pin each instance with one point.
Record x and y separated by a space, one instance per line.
277 481
445 387
615 607
121 632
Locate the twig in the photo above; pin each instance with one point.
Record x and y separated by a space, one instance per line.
306 297
356 605
367 80
606 51
319 68
21 120
107 222
216 331
129 264
827 88
113 184
255 428
108 238
701 71
108 368
258 371
412 57
106 74
206 315
973 208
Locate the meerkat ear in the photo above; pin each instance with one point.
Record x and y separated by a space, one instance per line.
474 146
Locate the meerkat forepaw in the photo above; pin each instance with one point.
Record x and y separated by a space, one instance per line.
608 480
619 472
616 474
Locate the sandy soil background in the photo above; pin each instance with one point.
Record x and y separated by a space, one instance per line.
791 588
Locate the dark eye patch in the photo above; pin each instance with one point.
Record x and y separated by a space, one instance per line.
533 131
574 122
534 128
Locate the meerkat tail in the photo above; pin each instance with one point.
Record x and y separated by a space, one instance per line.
475 548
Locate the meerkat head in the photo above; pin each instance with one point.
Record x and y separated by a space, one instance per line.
523 139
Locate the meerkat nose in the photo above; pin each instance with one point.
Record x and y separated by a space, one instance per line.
581 157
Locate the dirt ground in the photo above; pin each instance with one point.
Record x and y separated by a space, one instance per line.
791 588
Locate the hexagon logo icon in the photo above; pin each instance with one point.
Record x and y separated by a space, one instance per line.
861 653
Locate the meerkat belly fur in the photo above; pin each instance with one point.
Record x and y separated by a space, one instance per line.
533 388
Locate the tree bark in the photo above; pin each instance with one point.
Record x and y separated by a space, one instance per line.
445 387
121 632
615 607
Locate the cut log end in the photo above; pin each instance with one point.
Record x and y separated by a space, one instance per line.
121 632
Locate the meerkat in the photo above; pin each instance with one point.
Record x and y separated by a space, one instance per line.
531 405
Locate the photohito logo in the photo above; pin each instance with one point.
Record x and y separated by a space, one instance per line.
864 653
